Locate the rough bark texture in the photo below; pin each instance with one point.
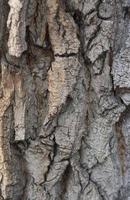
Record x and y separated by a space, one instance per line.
64 100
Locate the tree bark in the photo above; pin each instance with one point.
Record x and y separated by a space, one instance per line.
64 100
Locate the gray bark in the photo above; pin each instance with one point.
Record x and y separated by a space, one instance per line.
64 100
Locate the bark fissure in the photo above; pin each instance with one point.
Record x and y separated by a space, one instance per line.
64 100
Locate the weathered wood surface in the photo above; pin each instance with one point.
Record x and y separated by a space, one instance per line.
64 100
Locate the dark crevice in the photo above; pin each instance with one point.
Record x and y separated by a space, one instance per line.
55 148
100 191
47 39
111 74
126 12
46 50
20 146
89 13
93 36
64 180
121 138
66 55
122 90
78 18
102 58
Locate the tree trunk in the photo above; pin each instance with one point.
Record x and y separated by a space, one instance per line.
65 100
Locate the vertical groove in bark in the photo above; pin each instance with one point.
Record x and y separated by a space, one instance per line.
64 100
